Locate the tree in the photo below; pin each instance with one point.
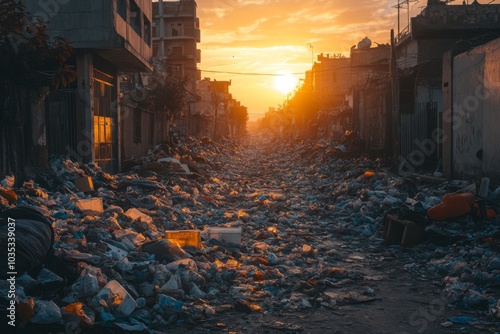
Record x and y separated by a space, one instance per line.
29 56
239 118
167 90
305 106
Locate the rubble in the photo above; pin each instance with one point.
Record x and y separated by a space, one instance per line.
247 229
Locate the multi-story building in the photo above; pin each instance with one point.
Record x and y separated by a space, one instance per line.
214 105
108 37
176 32
331 80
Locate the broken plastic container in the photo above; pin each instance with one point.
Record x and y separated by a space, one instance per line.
453 206
228 235
116 297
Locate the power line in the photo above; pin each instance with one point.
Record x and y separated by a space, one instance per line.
249 73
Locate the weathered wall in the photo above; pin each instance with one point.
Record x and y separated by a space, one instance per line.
491 111
372 107
476 112
406 55
331 79
468 71
446 125
131 148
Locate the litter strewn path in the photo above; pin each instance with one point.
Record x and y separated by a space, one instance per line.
304 267
311 257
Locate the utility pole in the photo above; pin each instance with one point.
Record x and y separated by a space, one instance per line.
403 4
215 102
393 119
312 53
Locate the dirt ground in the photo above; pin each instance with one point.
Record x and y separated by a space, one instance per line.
402 302
386 297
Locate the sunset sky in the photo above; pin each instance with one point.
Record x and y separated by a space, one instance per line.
272 36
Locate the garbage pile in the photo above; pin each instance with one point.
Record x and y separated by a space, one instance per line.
193 231
461 237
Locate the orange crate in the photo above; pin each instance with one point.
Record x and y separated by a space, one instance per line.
185 237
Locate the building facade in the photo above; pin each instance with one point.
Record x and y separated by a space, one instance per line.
331 80
108 37
176 34
371 96
471 99
419 54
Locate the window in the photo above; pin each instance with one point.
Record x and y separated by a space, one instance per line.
147 30
173 31
156 31
137 126
104 115
121 8
135 18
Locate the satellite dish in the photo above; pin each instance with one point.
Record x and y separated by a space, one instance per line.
365 43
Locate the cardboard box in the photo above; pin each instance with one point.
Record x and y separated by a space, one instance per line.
134 214
185 237
84 184
227 235
91 204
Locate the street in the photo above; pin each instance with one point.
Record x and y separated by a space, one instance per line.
369 292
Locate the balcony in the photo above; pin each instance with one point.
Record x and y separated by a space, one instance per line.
197 35
179 9
198 56
106 27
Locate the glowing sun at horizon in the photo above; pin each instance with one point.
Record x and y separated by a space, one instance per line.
285 82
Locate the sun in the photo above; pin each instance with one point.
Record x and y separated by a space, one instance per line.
285 82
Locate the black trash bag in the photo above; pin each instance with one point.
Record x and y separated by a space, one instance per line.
165 250
33 235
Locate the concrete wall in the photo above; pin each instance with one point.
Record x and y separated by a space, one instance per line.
476 112
204 105
372 108
131 148
446 126
369 69
406 54
331 80
491 111
468 70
